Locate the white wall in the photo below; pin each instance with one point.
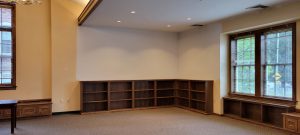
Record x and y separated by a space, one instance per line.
199 57
106 53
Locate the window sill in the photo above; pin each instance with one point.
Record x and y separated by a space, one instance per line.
2 88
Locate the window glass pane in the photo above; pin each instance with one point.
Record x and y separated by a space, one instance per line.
6 17
5 57
278 65
243 64
6 44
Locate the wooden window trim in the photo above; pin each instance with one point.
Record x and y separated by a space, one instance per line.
258 65
12 6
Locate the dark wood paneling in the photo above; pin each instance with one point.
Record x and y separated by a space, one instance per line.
30 108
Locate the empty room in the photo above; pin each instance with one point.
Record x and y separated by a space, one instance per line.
149 67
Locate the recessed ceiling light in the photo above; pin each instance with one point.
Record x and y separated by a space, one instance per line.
169 25
119 21
188 18
132 12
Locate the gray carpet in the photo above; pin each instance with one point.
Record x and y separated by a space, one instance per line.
165 121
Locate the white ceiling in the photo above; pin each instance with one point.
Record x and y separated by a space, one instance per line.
157 14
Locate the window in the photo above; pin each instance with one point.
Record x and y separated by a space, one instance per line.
263 62
243 58
7 46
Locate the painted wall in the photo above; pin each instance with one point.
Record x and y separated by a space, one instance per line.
199 57
105 53
33 53
65 87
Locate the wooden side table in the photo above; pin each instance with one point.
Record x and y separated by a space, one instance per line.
291 122
12 105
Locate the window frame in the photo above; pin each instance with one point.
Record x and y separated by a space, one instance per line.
12 6
259 86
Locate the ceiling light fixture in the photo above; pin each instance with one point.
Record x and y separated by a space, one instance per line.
119 21
169 25
132 12
188 18
24 2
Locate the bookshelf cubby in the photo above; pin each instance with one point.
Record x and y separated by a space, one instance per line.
142 103
144 85
95 96
94 107
144 94
197 86
198 105
183 102
198 95
168 101
121 95
165 93
165 84
121 86
99 96
120 104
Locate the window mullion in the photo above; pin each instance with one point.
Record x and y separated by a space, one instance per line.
258 65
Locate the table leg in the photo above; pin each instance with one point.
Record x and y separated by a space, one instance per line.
15 116
12 121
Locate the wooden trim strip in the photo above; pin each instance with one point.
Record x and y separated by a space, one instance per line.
89 8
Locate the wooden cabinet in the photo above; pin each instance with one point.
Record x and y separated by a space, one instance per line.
44 110
261 111
30 108
291 122
28 111
130 94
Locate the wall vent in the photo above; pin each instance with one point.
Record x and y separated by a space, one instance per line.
259 6
197 25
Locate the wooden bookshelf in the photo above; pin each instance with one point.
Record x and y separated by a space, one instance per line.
195 95
261 111
134 94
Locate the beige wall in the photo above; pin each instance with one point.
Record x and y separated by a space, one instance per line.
33 53
46 54
65 87
106 53
199 57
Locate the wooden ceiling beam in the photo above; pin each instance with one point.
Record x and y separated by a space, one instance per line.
89 8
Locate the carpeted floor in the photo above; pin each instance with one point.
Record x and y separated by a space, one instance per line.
165 121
